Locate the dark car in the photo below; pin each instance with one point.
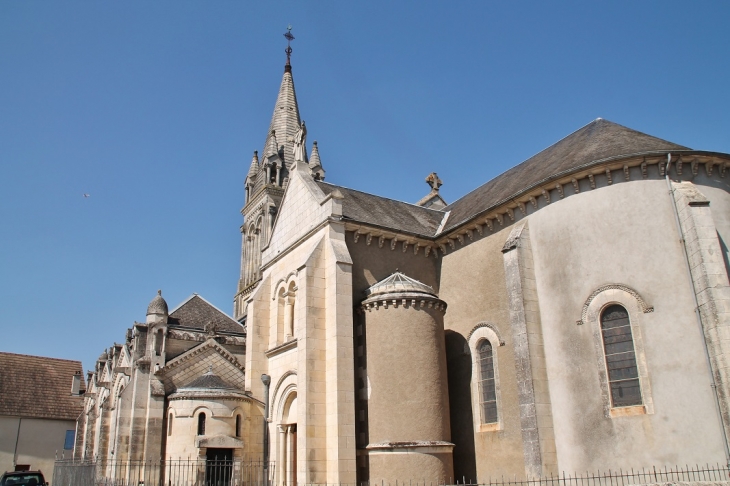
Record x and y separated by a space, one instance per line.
23 478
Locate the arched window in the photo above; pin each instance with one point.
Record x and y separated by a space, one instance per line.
487 389
238 426
169 425
618 345
201 423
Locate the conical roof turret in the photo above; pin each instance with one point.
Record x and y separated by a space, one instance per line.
157 310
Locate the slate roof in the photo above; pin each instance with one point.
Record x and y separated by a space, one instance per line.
39 387
599 140
209 381
196 313
399 282
386 213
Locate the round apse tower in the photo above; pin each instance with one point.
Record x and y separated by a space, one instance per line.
408 406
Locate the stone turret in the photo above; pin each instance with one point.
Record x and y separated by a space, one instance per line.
315 164
406 358
157 311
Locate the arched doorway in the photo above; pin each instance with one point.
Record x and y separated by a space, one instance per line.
287 443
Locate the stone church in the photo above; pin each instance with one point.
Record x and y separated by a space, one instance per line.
572 314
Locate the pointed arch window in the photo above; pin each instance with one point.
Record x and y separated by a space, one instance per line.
487 388
201 423
618 346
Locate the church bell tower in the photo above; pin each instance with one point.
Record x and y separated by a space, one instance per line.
266 181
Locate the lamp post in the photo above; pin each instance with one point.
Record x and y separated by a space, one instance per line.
266 379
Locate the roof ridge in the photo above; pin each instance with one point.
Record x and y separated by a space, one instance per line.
382 197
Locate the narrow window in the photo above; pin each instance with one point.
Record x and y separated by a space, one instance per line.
169 426
238 426
618 344
158 343
487 391
201 424
68 444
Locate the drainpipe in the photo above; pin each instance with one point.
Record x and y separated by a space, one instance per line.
698 315
17 438
266 379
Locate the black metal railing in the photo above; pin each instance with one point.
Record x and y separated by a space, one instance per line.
182 472
236 472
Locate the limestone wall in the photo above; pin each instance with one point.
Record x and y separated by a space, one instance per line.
38 443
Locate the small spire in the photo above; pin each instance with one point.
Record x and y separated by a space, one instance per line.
273 148
254 169
159 292
315 163
288 49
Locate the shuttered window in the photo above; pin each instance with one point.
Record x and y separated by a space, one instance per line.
487 389
618 345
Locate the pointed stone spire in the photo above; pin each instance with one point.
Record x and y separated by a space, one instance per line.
254 166
285 120
272 147
315 164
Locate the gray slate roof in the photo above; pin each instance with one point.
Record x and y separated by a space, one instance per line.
599 140
196 313
386 213
40 387
209 381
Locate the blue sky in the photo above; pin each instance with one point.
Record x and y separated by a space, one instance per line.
154 109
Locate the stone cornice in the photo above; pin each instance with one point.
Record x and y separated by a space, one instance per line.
402 299
281 348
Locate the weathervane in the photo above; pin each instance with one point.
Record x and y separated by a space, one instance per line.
289 38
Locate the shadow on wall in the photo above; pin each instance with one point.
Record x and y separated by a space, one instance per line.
725 255
458 365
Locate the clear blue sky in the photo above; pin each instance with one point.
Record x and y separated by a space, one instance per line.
154 109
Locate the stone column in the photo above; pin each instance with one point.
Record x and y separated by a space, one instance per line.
281 459
289 455
288 316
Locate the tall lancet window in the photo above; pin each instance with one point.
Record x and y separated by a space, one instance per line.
487 389
618 344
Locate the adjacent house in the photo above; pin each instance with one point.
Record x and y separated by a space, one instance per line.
40 401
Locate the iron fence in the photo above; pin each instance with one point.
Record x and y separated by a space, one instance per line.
235 472
183 472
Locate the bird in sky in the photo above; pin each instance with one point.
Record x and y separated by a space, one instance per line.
87 195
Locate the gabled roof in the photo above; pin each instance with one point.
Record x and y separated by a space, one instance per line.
196 313
39 387
597 141
386 213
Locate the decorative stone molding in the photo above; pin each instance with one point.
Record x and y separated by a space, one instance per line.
489 325
708 168
679 165
644 172
461 239
627 175
645 308
291 344
576 187
533 201
470 234
381 241
592 180
499 219
401 290
393 242
410 447
511 214
488 222
522 207
608 176
723 166
695 167
546 195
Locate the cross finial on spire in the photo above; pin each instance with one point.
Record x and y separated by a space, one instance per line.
289 38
